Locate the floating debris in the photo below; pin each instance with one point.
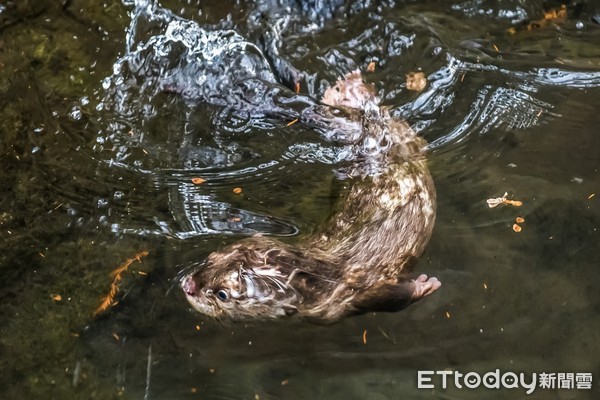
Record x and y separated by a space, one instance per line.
365 337
198 181
416 81
517 228
117 274
237 190
371 67
519 220
495 202
554 14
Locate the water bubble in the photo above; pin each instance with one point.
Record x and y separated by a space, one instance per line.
102 203
119 195
577 180
75 114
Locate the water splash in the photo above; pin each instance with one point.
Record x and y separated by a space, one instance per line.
221 76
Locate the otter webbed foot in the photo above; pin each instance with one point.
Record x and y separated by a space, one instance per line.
424 286
395 296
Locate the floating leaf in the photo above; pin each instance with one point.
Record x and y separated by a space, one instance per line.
117 275
515 203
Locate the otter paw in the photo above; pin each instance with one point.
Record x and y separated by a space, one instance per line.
424 286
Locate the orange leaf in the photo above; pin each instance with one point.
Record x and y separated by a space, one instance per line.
108 300
515 203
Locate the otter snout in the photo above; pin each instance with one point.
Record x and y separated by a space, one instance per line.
189 286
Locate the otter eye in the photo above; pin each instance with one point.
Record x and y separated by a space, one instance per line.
222 294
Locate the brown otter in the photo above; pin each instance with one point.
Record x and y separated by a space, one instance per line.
360 261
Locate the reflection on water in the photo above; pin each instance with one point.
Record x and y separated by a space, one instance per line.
110 112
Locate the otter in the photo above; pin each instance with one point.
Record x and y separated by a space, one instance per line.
361 260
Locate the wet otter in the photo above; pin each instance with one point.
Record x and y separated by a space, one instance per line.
360 261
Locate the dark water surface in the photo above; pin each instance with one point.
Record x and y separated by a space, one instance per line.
109 111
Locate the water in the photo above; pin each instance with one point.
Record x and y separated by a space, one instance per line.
106 120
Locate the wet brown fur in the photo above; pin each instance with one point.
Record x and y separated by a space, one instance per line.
360 260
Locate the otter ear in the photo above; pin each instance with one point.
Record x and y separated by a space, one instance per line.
385 297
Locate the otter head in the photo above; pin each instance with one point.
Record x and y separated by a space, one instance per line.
244 281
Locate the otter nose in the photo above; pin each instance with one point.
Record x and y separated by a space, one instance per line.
189 286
